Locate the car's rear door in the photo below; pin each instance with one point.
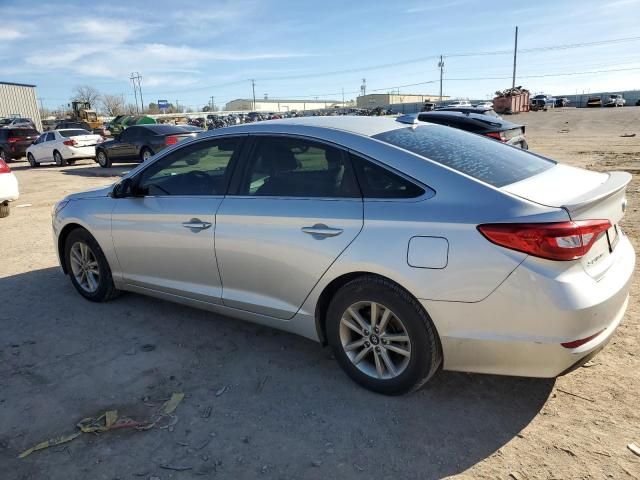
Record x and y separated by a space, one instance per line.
296 207
163 233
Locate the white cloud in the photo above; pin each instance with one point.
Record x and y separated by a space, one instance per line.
114 31
10 34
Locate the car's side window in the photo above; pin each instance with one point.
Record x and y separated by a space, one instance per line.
50 137
378 182
40 139
294 167
128 135
200 169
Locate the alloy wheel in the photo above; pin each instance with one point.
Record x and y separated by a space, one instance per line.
375 340
84 266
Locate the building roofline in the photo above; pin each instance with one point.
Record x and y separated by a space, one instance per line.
285 100
17 84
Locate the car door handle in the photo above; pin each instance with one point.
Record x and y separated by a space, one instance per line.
195 224
320 230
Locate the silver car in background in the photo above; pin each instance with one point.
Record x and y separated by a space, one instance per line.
407 248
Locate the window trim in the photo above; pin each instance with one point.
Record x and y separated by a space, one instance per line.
236 158
429 192
252 142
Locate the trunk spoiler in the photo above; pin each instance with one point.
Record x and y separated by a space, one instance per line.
617 181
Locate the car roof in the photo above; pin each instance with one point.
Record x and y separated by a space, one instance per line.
365 126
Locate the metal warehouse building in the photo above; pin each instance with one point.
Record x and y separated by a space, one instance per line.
19 99
386 99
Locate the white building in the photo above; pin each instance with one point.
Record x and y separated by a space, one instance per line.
19 100
279 105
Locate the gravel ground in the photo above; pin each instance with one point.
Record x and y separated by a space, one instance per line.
261 403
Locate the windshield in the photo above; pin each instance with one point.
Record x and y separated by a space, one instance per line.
74 133
473 155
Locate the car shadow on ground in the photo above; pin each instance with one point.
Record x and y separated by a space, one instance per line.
275 401
95 170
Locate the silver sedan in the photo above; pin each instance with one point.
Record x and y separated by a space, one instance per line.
407 248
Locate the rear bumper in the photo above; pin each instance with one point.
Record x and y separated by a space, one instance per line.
8 187
73 153
519 328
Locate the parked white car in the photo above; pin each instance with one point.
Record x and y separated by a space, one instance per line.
485 105
460 103
615 101
63 147
8 188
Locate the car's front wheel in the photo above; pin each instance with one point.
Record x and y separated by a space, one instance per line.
88 267
4 209
145 154
32 161
103 159
382 337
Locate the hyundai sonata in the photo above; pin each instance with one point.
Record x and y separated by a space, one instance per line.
407 248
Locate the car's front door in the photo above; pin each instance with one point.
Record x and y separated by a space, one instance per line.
295 209
163 233
123 148
36 149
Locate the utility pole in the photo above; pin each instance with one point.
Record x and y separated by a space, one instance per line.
140 90
515 55
135 90
441 66
41 107
211 104
342 97
363 87
253 87
177 108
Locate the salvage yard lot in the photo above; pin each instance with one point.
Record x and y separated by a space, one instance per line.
261 403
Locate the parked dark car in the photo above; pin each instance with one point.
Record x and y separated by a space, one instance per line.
139 142
428 106
489 126
481 110
64 124
562 101
15 141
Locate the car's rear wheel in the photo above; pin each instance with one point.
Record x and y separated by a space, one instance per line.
60 161
88 267
32 161
103 159
4 209
382 337
145 154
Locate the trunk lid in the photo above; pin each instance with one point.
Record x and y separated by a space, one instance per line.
585 195
86 140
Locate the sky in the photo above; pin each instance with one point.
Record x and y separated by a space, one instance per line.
188 51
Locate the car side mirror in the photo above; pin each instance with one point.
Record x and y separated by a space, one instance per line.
123 189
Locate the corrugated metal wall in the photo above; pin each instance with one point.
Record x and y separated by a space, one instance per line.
20 100
580 100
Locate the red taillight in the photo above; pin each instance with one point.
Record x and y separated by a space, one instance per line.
582 341
496 135
70 143
15 139
171 140
553 241
4 168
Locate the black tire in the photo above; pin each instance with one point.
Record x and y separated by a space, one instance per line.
59 159
426 353
103 159
3 156
32 161
146 151
106 289
4 210
71 162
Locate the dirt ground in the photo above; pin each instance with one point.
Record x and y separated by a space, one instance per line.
264 404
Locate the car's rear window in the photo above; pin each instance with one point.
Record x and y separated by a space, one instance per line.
74 133
481 158
164 129
22 132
